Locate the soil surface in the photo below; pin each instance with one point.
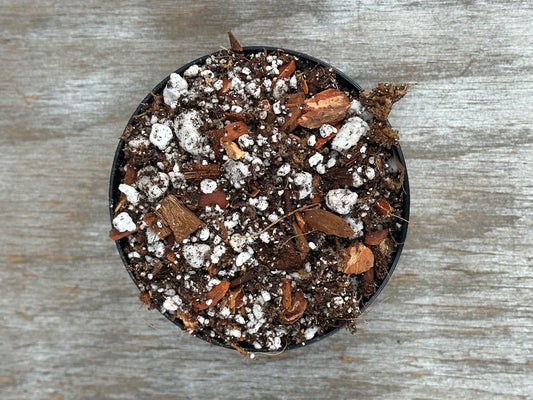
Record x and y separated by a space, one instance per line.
260 202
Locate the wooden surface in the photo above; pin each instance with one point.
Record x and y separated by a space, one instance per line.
455 320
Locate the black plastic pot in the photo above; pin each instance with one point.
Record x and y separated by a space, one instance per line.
345 82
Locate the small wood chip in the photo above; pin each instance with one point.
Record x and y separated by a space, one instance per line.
374 238
156 225
198 172
327 222
188 320
232 149
286 296
359 258
235 130
321 141
217 197
178 218
301 242
235 45
236 298
383 207
287 70
293 102
226 85
293 313
327 107
115 234
212 297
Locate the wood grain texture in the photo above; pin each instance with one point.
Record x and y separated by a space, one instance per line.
455 321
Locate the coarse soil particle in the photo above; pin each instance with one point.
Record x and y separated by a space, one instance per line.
237 263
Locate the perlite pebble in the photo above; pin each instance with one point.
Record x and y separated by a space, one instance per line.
349 134
160 136
123 222
341 200
175 88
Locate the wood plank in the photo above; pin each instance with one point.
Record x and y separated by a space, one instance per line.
455 320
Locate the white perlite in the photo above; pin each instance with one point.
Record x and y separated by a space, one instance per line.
356 106
238 241
315 159
236 171
310 332
370 173
326 130
131 193
187 131
160 136
261 203
341 200
172 303
357 180
242 258
152 183
208 186
303 180
349 134
218 251
196 254
280 88
284 170
192 71
124 223
175 88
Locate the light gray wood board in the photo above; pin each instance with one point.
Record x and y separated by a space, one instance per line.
455 319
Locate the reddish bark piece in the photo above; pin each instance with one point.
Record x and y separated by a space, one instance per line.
226 85
215 137
234 43
114 234
156 225
234 130
236 298
376 237
303 83
212 297
321 141
198 172
300 221
286 296
327 222
289 258
287 70
295 311
327 107
359 258
367 281
178 218
301 242
129 176
217 197
383 207
293 102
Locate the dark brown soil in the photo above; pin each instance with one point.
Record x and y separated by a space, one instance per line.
224 239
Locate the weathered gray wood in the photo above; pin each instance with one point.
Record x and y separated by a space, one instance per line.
456 318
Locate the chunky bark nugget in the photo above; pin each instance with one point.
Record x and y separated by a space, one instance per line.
259 199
